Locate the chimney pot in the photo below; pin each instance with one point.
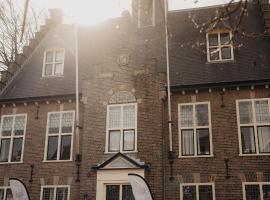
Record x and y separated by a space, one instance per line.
56 15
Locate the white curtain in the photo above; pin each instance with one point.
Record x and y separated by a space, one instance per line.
187 142
264 139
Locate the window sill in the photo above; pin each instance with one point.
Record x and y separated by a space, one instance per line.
220 61
124 152
54 76
207 156
252 155
10 163
56 161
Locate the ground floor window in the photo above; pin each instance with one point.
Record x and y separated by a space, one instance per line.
53 192
5 193
197 191
256 191
119 192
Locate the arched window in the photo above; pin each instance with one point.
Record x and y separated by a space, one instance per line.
121 134
122 97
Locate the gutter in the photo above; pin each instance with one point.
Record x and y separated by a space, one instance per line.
205 86
40 98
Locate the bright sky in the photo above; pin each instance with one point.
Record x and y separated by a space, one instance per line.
93 11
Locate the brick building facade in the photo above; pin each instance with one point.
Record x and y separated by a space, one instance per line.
220 109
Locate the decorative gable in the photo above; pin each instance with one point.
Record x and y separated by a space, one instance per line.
121 161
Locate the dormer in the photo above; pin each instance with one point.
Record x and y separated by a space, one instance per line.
53 62
219 44
144 13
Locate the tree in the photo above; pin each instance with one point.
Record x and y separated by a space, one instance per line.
231 16
14 31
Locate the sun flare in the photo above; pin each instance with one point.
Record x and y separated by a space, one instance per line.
89 12
86 12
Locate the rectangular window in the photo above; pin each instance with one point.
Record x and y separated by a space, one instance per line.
119 192
53 64
195 129
197 191
256 190
12 138
146 13
5 193
254 126
121 127
61 192
60 127
219 46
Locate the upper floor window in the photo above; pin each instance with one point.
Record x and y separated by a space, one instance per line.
53 63
195 138
256 190
121 123
5 193
146 13
199 191
53 192
60 127
12 138
254 126
219 46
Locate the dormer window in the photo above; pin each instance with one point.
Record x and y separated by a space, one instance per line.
53 64
219 46
146 13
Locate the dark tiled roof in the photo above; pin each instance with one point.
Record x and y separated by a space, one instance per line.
188 60
100 46
29 82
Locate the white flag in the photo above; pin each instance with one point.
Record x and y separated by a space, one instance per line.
18 189
140 188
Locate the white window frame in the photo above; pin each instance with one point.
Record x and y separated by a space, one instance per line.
260 184
197 189
254 125
55 188
53 62
153 14
113 177
195 127
12 137
121 128
120 189
219 46
5 188
59 135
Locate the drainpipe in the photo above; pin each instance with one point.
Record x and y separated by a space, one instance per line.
171 154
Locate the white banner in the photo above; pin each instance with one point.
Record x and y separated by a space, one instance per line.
140 188
18 189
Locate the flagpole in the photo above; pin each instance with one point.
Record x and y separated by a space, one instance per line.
168 76
77 121
78 158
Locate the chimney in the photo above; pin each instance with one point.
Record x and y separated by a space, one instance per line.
265 11
56 16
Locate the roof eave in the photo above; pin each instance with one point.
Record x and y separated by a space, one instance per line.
176 88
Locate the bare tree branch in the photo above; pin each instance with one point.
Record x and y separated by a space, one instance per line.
12 38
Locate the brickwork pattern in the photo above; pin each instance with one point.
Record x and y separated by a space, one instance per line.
225 146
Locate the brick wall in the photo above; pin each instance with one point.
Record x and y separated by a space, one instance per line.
225 146
144 83
62 173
